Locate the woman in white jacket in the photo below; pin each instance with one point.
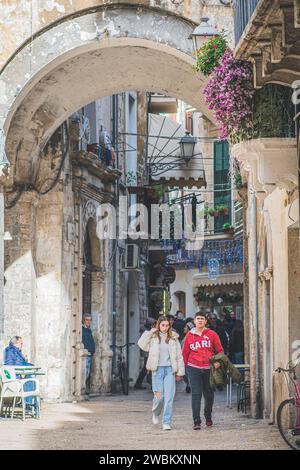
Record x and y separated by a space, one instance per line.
165 361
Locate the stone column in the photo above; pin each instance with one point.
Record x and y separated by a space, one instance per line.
51 322
97 327
1 268
20 272
107 323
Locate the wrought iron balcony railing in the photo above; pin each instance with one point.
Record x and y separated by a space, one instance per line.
242 11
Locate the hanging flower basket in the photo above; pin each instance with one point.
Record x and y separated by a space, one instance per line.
229 94
209 55
223 209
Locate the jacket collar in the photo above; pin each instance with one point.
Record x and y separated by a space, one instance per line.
195 332
175 335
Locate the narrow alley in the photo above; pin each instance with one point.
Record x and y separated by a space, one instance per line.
120 422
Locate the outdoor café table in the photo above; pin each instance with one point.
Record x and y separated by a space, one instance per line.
242 367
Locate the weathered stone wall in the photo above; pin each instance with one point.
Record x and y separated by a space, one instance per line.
20 272
44 83
22 19
36 295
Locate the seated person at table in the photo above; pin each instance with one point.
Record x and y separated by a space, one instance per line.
13 353
13 356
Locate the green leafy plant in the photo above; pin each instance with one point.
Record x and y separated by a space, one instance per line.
273 112
238 180
206 212
209 55
228 228
159 190
223 209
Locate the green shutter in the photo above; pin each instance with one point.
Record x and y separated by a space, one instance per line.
221 181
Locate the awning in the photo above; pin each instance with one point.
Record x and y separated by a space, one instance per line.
164 157
201 279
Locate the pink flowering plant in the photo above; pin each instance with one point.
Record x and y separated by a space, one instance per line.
209 55
229 94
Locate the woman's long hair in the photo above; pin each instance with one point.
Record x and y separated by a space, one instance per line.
169 332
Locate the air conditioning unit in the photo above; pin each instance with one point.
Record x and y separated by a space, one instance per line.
131 259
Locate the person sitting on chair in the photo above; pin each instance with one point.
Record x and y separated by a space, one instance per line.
13 356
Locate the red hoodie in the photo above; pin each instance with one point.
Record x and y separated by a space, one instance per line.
199 348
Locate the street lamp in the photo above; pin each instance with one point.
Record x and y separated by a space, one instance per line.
187 146
201 32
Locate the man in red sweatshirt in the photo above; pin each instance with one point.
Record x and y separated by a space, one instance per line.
200 345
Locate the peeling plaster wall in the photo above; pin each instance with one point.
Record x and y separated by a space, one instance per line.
75 63
25 17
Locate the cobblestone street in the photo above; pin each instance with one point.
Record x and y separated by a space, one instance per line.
120 422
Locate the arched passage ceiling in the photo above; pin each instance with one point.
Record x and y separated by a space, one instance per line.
93 56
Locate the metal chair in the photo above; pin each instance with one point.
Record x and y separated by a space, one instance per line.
13 388
243 396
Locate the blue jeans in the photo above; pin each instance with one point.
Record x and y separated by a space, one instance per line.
163 381
88 367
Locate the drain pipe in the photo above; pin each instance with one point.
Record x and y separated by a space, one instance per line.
258 412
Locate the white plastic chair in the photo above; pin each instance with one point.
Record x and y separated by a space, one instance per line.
14 388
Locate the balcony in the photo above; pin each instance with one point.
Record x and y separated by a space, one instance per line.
242 12
267 33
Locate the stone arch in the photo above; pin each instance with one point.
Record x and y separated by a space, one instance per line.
95 243
74 62
89 213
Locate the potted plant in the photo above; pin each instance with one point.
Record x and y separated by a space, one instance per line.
216 212
211 211
209 55
228 228
206 212
223 209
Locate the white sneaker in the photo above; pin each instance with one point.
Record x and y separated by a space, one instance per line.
155 419
166 427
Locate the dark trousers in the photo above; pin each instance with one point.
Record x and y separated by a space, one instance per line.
199 382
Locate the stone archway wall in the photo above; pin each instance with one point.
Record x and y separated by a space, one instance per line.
22 21
76 62
68 64
101 367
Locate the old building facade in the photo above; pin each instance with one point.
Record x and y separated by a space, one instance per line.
65 56
270 167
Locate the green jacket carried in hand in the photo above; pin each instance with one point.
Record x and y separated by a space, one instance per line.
219 377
